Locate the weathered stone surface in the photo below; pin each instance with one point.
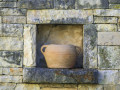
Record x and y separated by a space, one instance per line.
90 46
44 75
107 76
11 30
114 6
60 16
105 19
7 86
106 27
114 1
59 88
12 71
90 87
59 34
9 0
108 38
110 87
11 58
7 4
109 57
0 71
107 12
29 45
91 4
11 43
27 87
36 4
6 79
14 19
12 11
64 4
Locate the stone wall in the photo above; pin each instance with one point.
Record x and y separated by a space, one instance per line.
18 20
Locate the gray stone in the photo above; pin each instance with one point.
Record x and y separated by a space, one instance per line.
90 46
105 19
64 4
12 11
60 16
91 4
108 77
44 75
114 6
0 71
108 38
109 57
107 12
14 19
35 4
10 79
114 1
11 43
106 27
9 0
29 45
12 71
7 4
7 86
27 87
11 58
11 30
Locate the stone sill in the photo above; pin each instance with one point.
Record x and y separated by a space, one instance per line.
45 75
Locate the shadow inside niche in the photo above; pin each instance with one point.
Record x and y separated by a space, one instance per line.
59 34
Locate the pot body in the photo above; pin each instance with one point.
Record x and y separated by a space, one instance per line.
59 56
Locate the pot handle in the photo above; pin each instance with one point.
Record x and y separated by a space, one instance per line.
43 48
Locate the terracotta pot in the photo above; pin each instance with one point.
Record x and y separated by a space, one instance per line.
59 56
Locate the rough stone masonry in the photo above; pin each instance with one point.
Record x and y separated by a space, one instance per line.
18 25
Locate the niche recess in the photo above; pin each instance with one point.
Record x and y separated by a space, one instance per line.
59 34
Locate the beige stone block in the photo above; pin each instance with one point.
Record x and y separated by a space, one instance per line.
58 88
11 43
106 27
59 16
27 87
108 38
14 19
110 87
107 12
29 45
7 86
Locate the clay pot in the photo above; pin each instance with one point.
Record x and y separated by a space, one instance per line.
59 56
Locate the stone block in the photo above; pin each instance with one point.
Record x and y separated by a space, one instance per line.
64 4
12 11
106 27
110 87
11 59
114 1
114 6
106 12
0 71
12 71
108 38
91 4
11 43
7 4
29 45
7 86
44 75
109 57
27 87
10 79
108 77
36 4
90 87
14 19
105 19
9 0
58 88
11 30
90 46
59 16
